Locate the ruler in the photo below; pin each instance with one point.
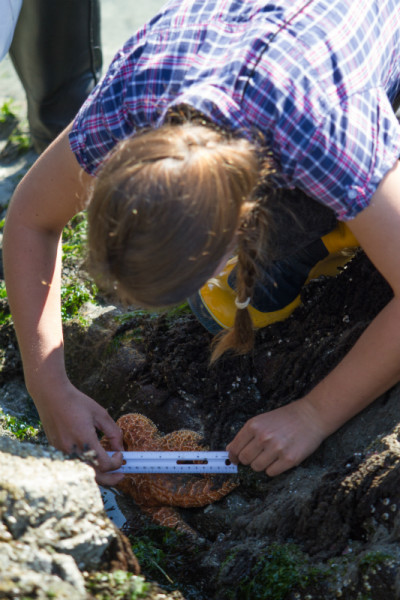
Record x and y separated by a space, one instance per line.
176 462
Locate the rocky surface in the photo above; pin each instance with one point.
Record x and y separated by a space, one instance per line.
334 520
53 526
328 529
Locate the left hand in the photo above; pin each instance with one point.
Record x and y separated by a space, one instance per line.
278 440
282 438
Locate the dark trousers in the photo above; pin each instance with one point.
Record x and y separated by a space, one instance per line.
56 51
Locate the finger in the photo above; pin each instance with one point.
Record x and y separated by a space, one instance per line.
232 456
114 434
277 467
109 479
107 462
250 453
103 464
240 441
115 461
106 465
263 460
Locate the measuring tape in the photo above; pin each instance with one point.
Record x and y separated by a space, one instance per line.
176 462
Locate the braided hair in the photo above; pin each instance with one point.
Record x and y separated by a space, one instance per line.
253 243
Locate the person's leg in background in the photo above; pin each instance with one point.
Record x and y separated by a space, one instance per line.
56 51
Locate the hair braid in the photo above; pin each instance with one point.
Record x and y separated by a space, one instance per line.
252 241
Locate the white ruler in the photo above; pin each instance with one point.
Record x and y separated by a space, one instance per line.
176 462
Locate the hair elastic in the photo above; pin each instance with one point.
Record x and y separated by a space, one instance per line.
242 305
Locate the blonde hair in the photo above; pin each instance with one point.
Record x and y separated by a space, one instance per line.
165 209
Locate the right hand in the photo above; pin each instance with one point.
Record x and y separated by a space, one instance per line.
71 423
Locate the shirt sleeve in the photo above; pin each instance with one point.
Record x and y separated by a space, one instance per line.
107 116
95 131
341 160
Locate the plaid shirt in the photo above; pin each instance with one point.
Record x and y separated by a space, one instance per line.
315 77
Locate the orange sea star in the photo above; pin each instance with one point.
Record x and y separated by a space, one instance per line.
156 494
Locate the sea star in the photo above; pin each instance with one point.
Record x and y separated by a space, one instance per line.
156 494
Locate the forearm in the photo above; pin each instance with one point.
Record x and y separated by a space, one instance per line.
45 200
33 288
370 368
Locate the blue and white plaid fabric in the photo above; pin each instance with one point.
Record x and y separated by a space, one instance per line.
315 77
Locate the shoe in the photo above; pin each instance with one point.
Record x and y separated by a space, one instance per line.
277 293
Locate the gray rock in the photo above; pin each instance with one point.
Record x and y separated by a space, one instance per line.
53 526
27 570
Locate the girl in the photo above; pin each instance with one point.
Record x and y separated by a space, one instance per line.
206 110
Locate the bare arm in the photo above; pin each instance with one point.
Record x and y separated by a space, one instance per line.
282 438
46 199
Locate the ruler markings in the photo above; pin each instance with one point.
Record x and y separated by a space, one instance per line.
176 462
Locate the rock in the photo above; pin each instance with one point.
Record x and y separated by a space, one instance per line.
327 529
363 498
53 526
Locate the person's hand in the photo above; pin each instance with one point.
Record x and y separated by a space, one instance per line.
278 440
71 419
